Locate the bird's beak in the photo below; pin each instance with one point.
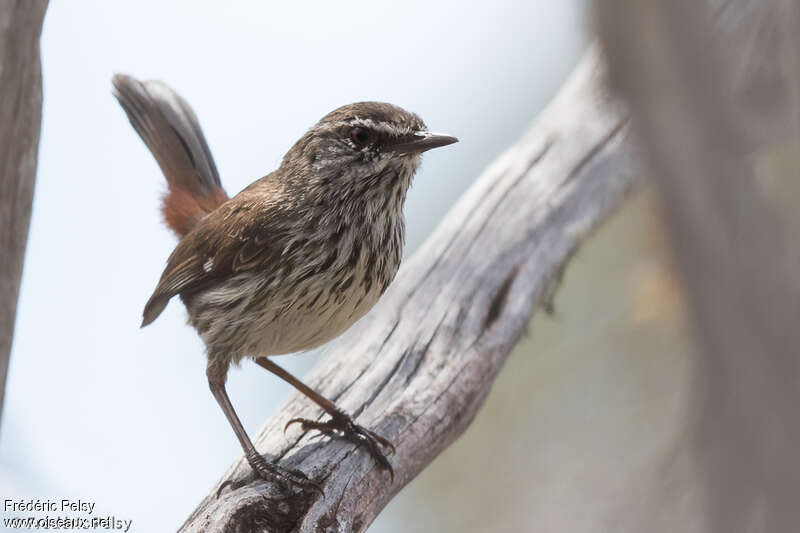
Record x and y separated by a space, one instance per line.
422 141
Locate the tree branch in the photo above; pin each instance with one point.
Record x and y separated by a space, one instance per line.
420 365
20 120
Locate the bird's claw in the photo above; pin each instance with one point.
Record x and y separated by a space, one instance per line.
287 478
342 425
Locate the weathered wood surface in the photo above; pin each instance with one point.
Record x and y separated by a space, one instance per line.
420 365
715 101
20 120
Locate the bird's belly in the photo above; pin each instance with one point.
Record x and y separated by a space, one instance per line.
308 322
239 321
297 320
252 315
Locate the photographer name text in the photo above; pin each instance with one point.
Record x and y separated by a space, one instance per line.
48 506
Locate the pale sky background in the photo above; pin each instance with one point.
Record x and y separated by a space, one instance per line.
97 408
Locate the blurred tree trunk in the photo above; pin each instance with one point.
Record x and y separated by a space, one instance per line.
20 120
714 91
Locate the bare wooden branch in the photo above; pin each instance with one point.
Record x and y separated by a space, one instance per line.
716 107
20 119
418 368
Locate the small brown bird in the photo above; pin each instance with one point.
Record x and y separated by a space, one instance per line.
294 259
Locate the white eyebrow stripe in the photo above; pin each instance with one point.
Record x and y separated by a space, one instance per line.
384 127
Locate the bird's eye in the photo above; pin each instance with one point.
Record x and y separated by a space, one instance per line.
359 135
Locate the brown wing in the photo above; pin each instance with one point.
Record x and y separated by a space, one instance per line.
242 234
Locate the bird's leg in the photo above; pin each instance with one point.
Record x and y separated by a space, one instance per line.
340 422
264 470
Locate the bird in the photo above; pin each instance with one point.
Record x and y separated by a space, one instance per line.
295 258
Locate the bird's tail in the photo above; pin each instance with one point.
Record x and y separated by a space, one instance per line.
169 128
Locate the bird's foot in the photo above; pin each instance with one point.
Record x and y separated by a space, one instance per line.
287 479
341 424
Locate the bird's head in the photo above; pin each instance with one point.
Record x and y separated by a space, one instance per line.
363 146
